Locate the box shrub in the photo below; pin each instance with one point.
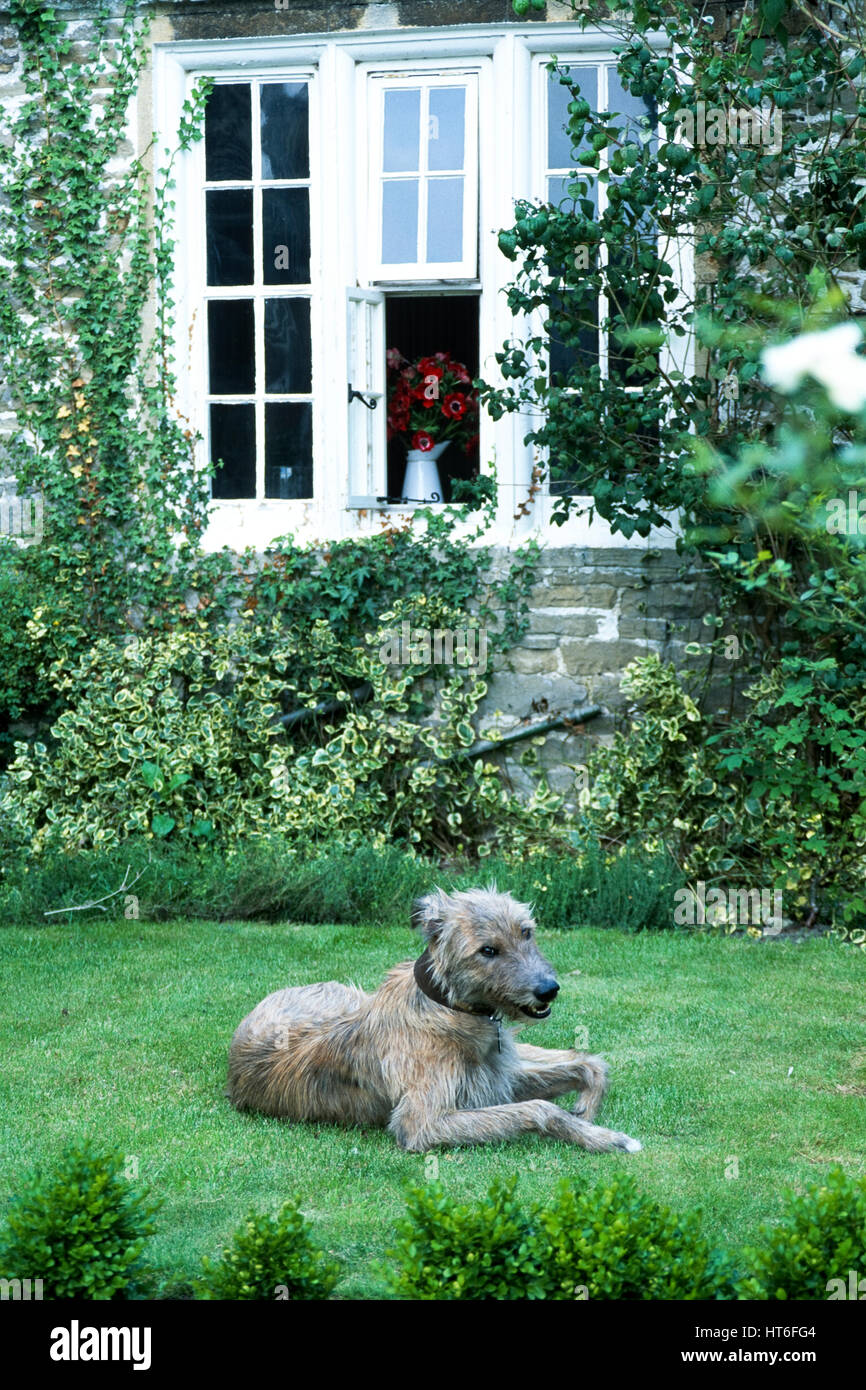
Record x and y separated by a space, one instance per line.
820 1237
611 1242
480 1250
270 1257
616 1242
79 1227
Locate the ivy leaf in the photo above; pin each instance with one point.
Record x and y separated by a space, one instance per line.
151 775
772 12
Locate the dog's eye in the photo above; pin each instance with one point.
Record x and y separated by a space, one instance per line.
526 933
488 951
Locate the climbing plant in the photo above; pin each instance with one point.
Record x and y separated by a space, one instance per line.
751 165
168 688
99 438
86 234
751 162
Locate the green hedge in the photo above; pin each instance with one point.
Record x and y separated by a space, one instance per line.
82 1229
270 1257
277 880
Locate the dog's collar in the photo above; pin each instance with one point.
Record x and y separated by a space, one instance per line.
424 980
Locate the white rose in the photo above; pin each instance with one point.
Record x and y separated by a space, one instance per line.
830 358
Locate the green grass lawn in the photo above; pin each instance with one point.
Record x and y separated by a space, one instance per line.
722 1051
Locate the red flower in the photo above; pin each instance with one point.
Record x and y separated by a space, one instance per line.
414 388
428 366
454 406
421 395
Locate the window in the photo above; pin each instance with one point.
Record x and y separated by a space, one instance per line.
600 85
424 178
422 250
346 200
259 289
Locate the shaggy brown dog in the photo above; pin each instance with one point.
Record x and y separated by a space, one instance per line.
427 1056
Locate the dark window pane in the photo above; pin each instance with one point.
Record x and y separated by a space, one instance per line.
228 133
230 237
285 131
573 341
287 346
288 450
233 440
286 236
231 348
628 309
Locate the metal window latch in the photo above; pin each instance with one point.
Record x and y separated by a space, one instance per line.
401 501
369 401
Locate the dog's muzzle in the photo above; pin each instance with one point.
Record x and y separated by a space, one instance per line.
545 993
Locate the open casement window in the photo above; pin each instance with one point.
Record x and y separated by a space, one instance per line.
601 86
423 196
366 397
258 289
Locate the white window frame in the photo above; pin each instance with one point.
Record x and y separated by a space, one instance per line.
422 270
503 55
676 355
366 395
258 291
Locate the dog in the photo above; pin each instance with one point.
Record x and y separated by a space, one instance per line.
430 1055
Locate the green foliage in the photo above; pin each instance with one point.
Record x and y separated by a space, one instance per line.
586 885
657 780
270 1257
181 735
777 798
611 1242
349 583
764 235
262 879
773 214
483 1250
614 1242
99 436
80 1227
165 668
23 685
272 879
802 755
821 1236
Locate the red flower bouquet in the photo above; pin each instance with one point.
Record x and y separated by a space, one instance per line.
431 401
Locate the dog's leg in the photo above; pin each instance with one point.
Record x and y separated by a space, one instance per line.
546 1073
417 1128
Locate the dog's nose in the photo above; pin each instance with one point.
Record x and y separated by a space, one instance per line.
546 990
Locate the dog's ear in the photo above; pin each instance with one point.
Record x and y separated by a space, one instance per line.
428 914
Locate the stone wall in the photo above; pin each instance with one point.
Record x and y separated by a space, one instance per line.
592 611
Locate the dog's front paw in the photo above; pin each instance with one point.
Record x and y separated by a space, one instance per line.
593 1083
